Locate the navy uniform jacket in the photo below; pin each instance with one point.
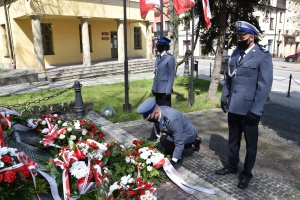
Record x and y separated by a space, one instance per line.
249 88
164 74
179 128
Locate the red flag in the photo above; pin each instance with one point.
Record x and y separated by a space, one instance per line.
183 5
146 5
206 12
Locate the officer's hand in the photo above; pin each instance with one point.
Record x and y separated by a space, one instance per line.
224 106
252 116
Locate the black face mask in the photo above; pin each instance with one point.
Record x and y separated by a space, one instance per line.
151 120
243 45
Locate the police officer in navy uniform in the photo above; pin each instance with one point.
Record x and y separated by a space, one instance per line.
164 71
246 90
177 134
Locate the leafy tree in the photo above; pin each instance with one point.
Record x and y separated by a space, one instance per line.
225 13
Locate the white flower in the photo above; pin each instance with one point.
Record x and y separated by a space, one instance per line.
4 150
79 169
65 124
148 196
45 131
126 179
39 120
84 131
1 164
114 187
44 122
59 121
77 124
69 129
31 123
62 136
72 137
149 168
127 159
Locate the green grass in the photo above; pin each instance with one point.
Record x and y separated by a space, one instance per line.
113 95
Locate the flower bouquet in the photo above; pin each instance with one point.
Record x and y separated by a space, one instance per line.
18 177
6 116
55 132
80 169
130 188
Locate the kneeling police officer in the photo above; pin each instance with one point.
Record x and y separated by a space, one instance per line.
176 133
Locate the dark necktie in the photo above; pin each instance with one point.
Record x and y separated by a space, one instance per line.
242 53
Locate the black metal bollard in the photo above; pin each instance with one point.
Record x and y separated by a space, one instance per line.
79 105
288 94
196 67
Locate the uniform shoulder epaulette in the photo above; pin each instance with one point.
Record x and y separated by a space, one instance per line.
263 50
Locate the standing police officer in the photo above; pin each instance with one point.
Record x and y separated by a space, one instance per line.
164 73
246 89
176 132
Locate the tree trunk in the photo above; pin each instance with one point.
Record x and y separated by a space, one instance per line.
213 87
174 19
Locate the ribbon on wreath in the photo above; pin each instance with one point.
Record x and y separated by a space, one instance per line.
52 135
174 175
33 169
64 165
6 123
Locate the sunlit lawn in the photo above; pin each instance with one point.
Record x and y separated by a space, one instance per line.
113 95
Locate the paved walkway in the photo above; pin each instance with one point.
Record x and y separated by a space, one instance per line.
276 173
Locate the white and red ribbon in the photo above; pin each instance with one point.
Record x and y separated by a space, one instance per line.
174 175
33 168
64 165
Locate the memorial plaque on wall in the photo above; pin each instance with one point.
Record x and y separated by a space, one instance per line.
105 35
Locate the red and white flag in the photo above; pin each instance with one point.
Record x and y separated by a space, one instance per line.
146 5
183 5
206 12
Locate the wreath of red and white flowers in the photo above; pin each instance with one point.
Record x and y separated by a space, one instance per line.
58 133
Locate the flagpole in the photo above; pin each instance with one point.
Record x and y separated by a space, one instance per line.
161 17
191 95
126 106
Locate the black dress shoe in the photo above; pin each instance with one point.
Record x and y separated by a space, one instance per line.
244 182
226 170
196 144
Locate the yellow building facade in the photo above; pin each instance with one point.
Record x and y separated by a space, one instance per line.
38 34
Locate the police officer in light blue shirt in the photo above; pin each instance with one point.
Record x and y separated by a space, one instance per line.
164 71
176 132
245 91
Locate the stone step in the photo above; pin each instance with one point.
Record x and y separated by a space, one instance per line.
100 69
19 76
97 69
94 75
104 64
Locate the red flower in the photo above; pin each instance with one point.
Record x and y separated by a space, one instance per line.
1 177
25 173
136 142
139 179
132 193
82 122
100 136
10 176
107 153
6 159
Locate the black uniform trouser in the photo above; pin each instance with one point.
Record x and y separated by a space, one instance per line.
237 125
163 99
168 146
